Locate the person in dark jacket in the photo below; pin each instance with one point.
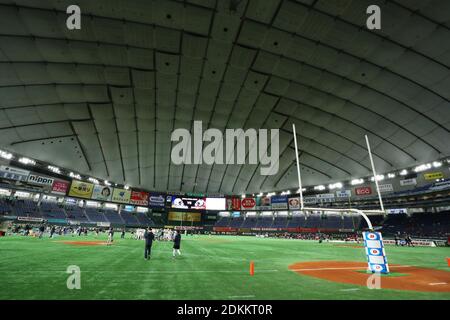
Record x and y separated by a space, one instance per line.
149 237
177 243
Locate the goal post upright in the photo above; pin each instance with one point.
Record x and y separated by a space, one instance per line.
357 211
374 174
300 187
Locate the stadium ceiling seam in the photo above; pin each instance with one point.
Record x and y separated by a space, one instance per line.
197 94
292 34
175 104
418 13
338 18
363 85
365 129
39 139
325 146
136 124
92 120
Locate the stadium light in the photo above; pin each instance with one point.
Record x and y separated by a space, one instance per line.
404 172
391 175
6 155
126 187
27 161
260 194
319 188
93 180
337 185
355 182
107 183
437 164
422 167
380 177
76 176
243 196
54 169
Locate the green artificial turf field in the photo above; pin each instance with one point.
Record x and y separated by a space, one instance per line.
211 267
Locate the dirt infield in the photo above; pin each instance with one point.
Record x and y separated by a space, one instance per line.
413 278
85 243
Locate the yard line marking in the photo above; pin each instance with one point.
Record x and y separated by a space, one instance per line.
149 271
353 289
249 296
437 283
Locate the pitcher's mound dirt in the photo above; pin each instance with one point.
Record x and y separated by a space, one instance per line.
413 278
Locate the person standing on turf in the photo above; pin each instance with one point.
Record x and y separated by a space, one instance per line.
110 236
148 237
177 243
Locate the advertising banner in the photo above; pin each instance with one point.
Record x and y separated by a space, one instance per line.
40 180
294 203
408 182
156 200
139 198
279 202
310 200
263 203
184 216
121 195
189 203
102 193
433 175
363 191
12 173
376 256
60 187
325 197
81 189
386 187
215 203
248 204
344 194
236 203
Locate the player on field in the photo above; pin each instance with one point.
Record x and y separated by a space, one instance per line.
177 243
110 236
149 237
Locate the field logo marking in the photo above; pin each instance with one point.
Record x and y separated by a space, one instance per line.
374 281
74 280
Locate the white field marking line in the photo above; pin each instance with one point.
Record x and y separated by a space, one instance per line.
249 296
353 289
437 283
150 271
343 268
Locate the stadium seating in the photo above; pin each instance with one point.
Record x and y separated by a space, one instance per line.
144 220
280 222
331 222
129 219
249 222
5 208
26 208
113 217
74 212
264 222
236 222
52 210
313 221
223 222
94 215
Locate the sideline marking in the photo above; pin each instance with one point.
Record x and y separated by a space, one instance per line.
250 296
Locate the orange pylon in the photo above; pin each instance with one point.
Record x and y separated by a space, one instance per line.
252 268
448 261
